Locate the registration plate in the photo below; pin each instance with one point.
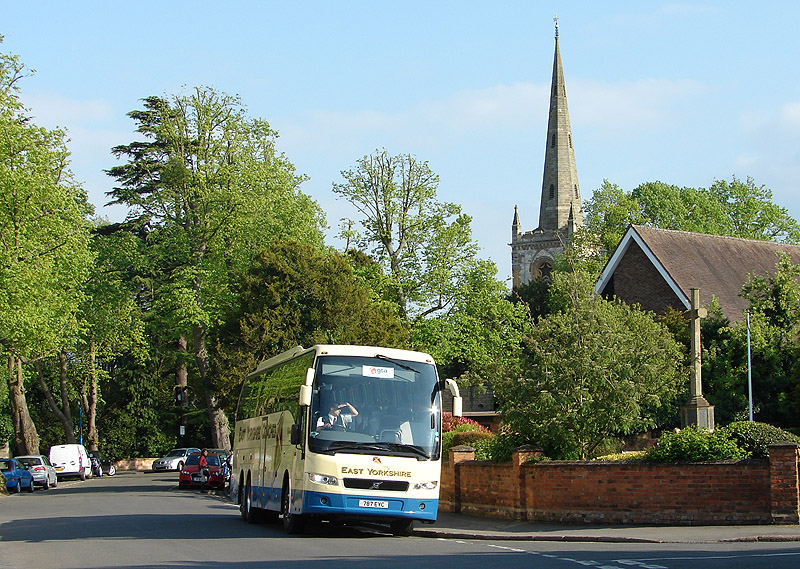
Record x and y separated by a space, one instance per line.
59 468
373 504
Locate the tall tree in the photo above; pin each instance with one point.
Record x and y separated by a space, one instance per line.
775 346
209 181
425 245
299 294
591 369
110 323
608 213
736 209
44 253
479 334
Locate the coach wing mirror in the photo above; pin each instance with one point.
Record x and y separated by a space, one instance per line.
305 395
305 390
297 434
452 386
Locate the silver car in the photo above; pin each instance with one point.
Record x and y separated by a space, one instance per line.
174 459
39 466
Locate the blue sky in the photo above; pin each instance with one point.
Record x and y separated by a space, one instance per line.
685 93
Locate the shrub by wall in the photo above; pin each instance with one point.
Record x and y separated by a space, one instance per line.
754 438
695 445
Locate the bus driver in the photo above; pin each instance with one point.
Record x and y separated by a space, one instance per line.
340 416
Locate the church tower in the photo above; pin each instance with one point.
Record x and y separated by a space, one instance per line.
533 252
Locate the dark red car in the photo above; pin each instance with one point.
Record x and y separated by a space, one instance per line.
190 475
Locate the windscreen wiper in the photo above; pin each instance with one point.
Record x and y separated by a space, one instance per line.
395 362
412 449
358 448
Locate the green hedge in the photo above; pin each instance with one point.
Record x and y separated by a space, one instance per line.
498 448
695 445
447 436
469 438
754 438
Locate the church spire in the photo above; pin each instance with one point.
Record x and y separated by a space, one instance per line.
560 190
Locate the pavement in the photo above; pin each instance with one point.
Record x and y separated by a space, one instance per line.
460 526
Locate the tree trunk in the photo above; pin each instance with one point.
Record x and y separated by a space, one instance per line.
181 385
64 415
91 399
26 439
65 406
220 427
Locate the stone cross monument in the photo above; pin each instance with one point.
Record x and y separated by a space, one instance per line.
697 411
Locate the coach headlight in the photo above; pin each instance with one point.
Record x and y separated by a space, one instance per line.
323 479
426 485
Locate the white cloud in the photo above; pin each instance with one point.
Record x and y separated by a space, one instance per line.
464 112
771 153
631 105
51 110
790 115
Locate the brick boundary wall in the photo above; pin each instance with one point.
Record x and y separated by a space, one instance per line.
135 464
707 493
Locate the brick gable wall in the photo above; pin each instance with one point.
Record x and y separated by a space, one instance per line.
636 281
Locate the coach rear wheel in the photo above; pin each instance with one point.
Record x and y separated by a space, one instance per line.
245 506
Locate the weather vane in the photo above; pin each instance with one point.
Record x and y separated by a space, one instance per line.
556 21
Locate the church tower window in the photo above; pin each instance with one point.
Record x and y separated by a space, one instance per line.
552 191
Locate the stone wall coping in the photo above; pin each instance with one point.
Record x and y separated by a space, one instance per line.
784 444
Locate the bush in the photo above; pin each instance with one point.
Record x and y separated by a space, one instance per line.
450 423
630 456
754 438
498 448
447 437
695 445
469 438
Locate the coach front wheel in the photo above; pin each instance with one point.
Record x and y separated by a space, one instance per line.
292 523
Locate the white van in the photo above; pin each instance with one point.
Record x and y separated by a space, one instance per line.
70 460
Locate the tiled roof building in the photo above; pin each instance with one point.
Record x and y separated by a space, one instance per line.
657 268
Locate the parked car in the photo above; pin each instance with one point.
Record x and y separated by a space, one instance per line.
40 468
100 464
225 458
222 453
174 459
17 476
71 460
191 476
